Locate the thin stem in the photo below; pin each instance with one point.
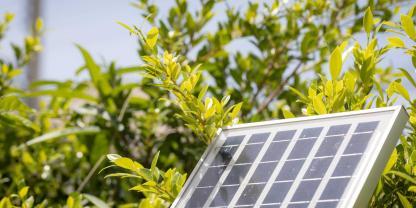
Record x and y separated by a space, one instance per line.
278 90
92 171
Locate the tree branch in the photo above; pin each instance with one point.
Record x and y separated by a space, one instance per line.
278 90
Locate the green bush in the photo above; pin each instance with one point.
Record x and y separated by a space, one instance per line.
192 84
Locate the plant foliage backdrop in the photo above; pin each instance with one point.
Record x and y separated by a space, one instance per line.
106 142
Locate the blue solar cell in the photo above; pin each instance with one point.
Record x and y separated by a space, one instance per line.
233 140
211 176
329 146
330 204
257 138
338 129
224 196
311 132
302 148
263 172
290 170
199 197
298 205
335 188
305 190
250 194
277 192
358 143
249 153
284 135
367 126
237 174
318 167
347 165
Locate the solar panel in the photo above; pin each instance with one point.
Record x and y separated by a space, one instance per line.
332 160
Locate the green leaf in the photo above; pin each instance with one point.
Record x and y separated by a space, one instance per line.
412 189
12 103
236 110
70 202
113 157
96 201
11 119
318 105
152 36
62 93
122 175
391 162
93 68
368 20
131 30
402 91
408 26
404 201
287 114
408 76
335 63
23 192
404 176
62 133
396 42
127 163
154 161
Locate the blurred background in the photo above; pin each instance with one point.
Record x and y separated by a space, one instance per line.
93 25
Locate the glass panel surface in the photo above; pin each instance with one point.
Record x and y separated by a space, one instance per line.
211 177
250 194
257 138
224 196
290 170
302 148
275 151
249 153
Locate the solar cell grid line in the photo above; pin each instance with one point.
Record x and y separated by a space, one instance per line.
276 171
297 182
252 169
207 194
254 139
227 171
332 166
366 160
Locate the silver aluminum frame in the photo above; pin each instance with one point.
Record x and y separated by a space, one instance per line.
369 169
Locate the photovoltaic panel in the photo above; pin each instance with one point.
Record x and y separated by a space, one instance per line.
332 160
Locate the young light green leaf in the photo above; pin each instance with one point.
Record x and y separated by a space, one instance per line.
368 21
152 36
399 88
408 26
62 133
404 176
335 63
412 189
319 105
70 202
408 76
236 110
154 161
396 42
405 202
23 192
287 114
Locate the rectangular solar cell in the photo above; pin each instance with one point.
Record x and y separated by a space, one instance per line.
332 160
